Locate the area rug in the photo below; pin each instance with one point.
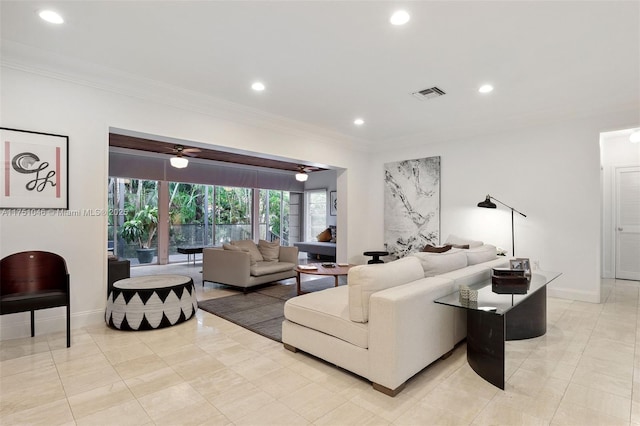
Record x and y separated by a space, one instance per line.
261 310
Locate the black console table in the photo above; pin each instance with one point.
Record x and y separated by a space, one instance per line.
495 318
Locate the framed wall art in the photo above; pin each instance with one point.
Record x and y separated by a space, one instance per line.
35 170
411 205
333 203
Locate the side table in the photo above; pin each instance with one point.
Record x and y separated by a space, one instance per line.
117 270
376 256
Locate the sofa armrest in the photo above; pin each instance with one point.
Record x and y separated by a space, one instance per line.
408 330
226 266
288 254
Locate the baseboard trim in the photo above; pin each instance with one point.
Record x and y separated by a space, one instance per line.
579 295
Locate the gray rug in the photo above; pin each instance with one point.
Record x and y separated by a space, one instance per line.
262 310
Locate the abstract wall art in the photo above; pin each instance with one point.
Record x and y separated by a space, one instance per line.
411 205
34 170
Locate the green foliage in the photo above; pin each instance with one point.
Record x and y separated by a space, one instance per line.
232 205
142 227
228 211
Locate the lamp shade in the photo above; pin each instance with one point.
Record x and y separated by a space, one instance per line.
487 203
302 177
179 162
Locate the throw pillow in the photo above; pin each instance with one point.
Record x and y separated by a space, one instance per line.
270 250
481 254
439 263
324 236
460 246
249 246
454 239
231 247
433 249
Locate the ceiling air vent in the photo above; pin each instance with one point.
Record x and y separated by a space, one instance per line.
425 94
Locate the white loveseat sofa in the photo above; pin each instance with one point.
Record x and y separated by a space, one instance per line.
384 325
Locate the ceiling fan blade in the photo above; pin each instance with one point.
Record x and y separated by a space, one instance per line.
191 150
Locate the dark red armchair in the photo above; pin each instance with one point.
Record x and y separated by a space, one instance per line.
34 280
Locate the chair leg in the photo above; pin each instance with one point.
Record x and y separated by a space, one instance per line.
68 326
33 328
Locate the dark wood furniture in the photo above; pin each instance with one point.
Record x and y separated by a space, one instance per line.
496 318
189 251
117 269
318 269
376 256
34 280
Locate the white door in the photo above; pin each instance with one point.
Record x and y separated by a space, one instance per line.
628 223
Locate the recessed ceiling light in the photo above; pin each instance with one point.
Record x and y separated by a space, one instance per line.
51 16
399 17
257 86
485 88
358 121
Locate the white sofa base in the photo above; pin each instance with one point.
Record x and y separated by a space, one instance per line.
406 330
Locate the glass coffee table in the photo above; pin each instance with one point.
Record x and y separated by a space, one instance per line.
496 318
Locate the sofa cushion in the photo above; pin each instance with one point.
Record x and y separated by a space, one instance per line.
438 263
270 250
364 280
455 240
328 312
481 254
251 247
270 267
231 247
474 274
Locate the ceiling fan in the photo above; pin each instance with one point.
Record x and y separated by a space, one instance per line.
301 175
178 161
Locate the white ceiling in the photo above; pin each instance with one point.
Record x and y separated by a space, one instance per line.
326 63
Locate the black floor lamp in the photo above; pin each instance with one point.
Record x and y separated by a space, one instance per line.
488 204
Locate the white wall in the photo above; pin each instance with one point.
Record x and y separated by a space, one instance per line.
616 151
550 172
85 112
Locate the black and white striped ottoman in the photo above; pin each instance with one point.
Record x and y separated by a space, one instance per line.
150 302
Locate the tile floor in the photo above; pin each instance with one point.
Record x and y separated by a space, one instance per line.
210 371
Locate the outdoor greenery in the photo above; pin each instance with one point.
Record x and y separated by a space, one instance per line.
141 227
198 214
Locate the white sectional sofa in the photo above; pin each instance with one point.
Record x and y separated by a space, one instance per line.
384 325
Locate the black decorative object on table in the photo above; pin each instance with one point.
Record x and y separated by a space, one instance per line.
376 256
509 281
